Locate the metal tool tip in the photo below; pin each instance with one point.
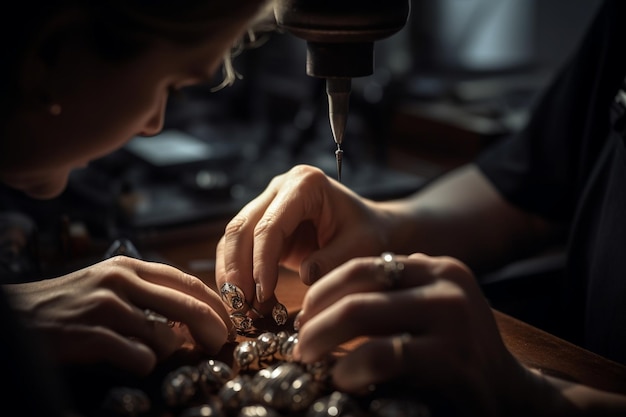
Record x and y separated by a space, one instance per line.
339 158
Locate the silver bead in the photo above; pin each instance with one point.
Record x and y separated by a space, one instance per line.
208 409
286 348
213 375
284 386
320 370
282 337
267 345
126 402
179 386
257 411
337 404
245 354
236 393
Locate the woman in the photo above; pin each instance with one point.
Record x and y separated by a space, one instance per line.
80 78
426 315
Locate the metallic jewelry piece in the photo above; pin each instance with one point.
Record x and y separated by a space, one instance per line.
213 375
336 404
320 371
284 386
267 345
398 343
257 410
208 409
126 402
282 338
173 323
155 317
236 393
286 348
392 270
245 354
279 314
233 296
179 386
242 323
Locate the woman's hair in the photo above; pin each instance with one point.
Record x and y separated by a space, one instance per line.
119 29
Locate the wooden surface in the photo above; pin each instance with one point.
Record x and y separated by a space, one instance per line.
554 356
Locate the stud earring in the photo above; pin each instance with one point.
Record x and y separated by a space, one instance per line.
55 109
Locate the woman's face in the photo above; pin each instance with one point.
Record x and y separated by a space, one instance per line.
103 105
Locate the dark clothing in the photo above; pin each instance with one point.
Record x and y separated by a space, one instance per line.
32 384
569 166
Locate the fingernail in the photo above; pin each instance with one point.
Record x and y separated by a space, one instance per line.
259 293
280 314
296 321
314 272
243 324
232 296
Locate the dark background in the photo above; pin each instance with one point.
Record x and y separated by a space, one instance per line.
461 75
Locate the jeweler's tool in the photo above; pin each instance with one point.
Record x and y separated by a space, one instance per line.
338 91
340 37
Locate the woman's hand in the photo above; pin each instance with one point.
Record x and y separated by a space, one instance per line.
304 221
433 326
116 311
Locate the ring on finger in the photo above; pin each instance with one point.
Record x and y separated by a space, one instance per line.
392 270
153 316
398 343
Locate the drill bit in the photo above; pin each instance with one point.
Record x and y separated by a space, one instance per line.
338 91
339 158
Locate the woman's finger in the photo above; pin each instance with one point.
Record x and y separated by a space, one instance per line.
93 344
422 362
204 323
233 262
162 335
170 277
363 275
384 359
107 309
177 296
293 204
414 310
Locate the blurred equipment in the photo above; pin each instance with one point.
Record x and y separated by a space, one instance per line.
340 37
475 36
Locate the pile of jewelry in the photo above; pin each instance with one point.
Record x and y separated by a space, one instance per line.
264 381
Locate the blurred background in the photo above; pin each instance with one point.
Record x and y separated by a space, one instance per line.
460 76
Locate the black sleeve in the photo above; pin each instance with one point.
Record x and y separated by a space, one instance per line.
542 169
33 385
